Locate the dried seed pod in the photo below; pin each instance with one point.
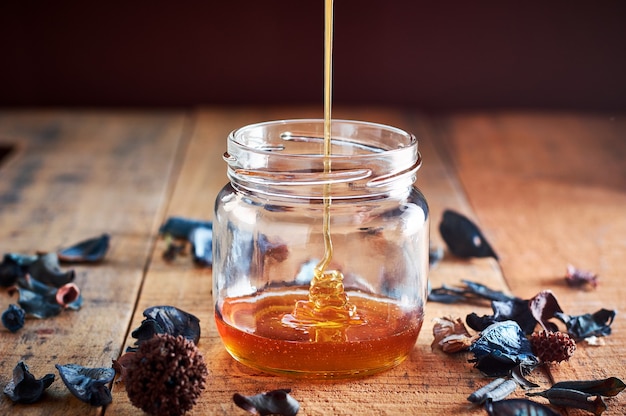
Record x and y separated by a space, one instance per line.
517 407
24 387
165 376
552 346
573 398
67 294
13 318
498 389
580 278
88 384
91 250
607 387
275 402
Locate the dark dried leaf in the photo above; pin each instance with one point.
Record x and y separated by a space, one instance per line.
470 293
518 407
607 387
583 326
11 269
580 278
181 228
92 250
508 310
275 402
544 307
88 384
38 305
573 398
201 239
501 347
24 387
166 320
46 269
463 237
13 318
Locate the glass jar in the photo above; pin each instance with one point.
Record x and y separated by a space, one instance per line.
320 262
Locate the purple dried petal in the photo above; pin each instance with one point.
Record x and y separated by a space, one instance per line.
91 250
463 237
578 278
24 387
516 407
13 318
88 384
275 402
544 307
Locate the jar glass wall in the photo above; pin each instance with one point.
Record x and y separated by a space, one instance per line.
272 311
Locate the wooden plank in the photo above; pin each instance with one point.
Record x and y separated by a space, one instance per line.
75 175
550 190
428 382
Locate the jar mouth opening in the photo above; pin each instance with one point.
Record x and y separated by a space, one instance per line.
304 139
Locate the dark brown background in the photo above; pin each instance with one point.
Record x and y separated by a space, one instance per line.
432 55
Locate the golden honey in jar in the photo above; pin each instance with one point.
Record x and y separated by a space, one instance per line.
320 259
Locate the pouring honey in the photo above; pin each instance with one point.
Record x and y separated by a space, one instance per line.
320 256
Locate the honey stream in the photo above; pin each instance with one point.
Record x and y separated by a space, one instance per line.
327 312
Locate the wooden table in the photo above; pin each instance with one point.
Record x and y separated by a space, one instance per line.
548 189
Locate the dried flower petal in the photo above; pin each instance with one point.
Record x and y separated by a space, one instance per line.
583 326
180 227
91 250
463 237
13 318
175 321
275 402
451 335
514 309
88 384
501 347
580 278
472 292
67 295
24 387
166 376
11 269
46 269
38 305
517 407
544 307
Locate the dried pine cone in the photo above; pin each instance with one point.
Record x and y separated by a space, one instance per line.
166 375
552 346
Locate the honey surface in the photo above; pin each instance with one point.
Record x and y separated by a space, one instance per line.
253 332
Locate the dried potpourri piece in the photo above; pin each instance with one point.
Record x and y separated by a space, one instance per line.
607 387
167 320
580 278
13 318
91 250
498 389
463 238
197 232
42 301
518 407
12 268
500 348
472 292
88 384
24 387
552 346
573 398
181 227
166 376
275 402
201 239
451 335
47 270
587 325
544 307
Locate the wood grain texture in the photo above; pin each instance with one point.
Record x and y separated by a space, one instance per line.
74 176
547 189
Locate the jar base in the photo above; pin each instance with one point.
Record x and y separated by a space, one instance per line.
253 334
